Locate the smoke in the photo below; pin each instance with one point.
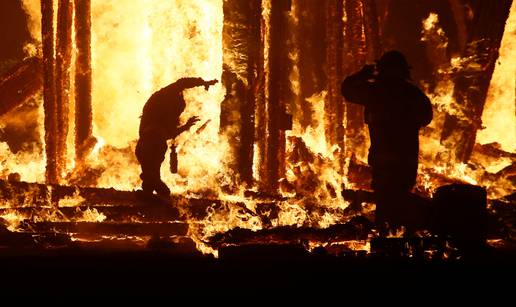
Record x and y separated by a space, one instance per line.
33 10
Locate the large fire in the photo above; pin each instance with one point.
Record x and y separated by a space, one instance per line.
141 46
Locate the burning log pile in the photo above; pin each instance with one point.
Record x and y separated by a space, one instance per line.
356 229
37 211
42 215
87 213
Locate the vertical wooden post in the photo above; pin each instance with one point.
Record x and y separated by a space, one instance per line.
63 75
83 82
372 30
279 92
254 78
334 104
310 36
49 95
260 115
355 57
241 45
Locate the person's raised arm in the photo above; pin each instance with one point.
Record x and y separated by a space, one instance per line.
356 87
186 83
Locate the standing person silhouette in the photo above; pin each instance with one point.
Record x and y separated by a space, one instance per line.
159 123
395 110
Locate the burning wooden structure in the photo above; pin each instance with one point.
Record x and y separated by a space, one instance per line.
289 148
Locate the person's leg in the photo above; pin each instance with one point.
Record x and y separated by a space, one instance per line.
390 197
380 186
162 189
150 178
142 156
151 154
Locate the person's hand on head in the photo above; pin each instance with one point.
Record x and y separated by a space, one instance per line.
369 69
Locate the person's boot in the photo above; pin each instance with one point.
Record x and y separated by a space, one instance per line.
163 191
146 194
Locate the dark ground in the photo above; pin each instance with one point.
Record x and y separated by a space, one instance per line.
286 271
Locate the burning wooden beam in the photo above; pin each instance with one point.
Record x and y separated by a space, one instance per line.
310 41
372 30
63 81
49 94
255 75
357 229
334 104
20 83
36 196
83 82
242 65
472 84
279 92
355 57
126 229
112 213
260 116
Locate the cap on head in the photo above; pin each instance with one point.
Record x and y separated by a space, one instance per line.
394 62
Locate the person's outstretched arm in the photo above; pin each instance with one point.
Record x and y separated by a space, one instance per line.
189 123
186 83
356 88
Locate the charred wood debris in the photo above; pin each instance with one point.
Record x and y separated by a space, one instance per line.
56 216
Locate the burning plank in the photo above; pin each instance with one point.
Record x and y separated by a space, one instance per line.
126 229
118 213
29 239
356 229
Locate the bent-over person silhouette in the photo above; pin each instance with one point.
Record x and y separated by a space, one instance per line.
160 123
